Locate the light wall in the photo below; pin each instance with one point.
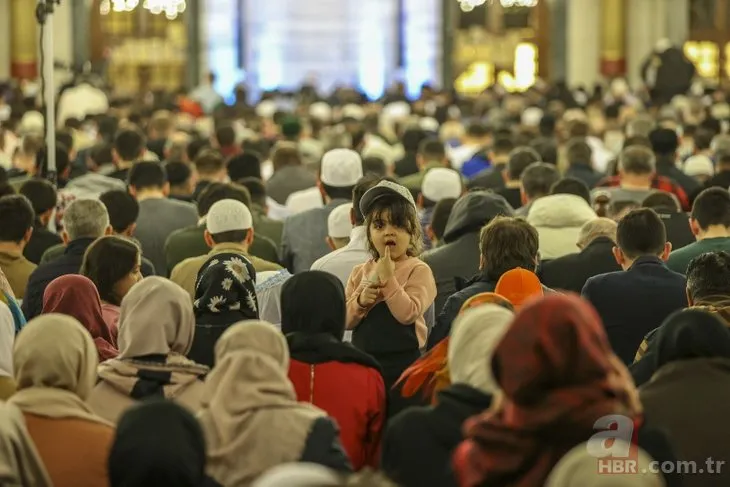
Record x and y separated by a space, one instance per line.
4 39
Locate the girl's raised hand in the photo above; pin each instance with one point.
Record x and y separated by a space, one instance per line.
385 266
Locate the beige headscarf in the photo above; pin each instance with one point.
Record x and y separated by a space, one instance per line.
579 469
55 368
20 464
249 403
156 317
475 335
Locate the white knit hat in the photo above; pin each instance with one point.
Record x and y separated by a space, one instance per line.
228 216
440 183
341 168
339 224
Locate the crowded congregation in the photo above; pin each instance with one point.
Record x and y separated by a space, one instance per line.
318 288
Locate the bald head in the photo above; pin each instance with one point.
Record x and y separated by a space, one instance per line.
600 227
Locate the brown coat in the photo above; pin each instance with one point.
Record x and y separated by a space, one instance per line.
17 269
186 272
687 399
74 451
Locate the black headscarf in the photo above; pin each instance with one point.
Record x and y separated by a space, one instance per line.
158 443
691 334
225 290
313 314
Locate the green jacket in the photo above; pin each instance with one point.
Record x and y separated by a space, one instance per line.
263 225
190 242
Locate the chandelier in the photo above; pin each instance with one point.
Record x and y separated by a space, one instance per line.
469 5
170 8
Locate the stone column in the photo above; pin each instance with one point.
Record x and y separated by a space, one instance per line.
646 24
583 42
23 40
5 42
613 38
677 21
558 39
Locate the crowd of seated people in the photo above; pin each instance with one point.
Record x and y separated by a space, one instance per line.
429 292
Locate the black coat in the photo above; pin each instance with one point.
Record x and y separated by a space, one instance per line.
435 431
570 272
491 178
585 173
634 302
68 263
677 226
41 240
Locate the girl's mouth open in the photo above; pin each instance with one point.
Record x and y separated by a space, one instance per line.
390 243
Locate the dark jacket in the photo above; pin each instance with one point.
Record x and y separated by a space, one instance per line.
190 242
68 263
41 240
631 303
665 166
677 226
435 431
57 251
687 400
323 447
458 258
491 178
479 284
585 173
570 272
288 180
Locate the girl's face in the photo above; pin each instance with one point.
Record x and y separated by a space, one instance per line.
123 285
384 234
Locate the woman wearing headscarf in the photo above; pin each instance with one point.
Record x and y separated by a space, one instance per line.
76 296
7 339
251 412
8 297
156 327
334 376
430 374
557 375
690 390
55 368
225 293
437 429
158 443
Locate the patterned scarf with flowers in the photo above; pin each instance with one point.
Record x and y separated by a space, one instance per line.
225 290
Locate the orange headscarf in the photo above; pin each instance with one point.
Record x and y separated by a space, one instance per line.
430 373
518 286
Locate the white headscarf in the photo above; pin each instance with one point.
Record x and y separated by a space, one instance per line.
474 337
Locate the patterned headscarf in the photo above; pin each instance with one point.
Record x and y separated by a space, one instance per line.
557 373
226 289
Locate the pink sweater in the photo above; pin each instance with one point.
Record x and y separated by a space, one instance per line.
408 293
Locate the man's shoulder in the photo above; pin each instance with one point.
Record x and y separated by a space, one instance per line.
52 253
182 233
607 279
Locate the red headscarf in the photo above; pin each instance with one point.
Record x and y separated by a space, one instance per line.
558 375
430 373
76 296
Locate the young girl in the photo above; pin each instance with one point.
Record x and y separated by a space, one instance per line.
387 295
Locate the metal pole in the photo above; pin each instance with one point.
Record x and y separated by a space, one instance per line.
50 89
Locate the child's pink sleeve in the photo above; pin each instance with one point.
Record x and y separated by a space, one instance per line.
355 285
408 302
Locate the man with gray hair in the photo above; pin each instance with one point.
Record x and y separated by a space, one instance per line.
570 272
84 221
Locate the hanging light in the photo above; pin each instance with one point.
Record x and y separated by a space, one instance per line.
170 8
469 5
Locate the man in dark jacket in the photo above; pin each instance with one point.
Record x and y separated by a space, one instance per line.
667 72
665 143
457 260
83 222
505 244
676 222
580 159
570 273
638 299
708 289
